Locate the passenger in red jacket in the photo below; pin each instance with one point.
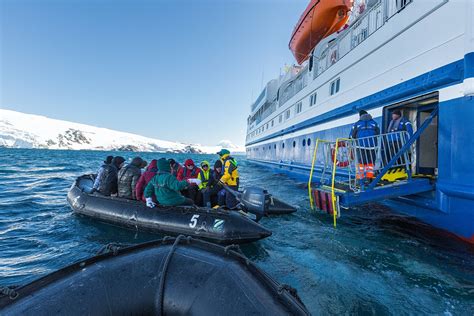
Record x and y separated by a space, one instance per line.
144 179
189 171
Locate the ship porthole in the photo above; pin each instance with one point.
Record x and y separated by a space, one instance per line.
304 142
275 146
309 141
294 143
283 145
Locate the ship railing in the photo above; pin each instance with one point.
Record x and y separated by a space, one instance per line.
294 86
395 6
366 169
364 26
348 163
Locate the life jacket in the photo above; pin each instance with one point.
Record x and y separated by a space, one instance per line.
189 173
205 177
403 125
230 173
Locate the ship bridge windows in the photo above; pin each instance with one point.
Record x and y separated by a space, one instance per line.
335 86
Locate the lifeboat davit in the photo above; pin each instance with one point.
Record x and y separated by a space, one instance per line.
320 19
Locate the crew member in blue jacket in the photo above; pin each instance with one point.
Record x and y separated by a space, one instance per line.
397 124
363 130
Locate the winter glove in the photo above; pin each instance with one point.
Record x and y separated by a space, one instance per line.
194 181
150 203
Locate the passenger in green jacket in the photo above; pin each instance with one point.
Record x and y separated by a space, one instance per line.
167 188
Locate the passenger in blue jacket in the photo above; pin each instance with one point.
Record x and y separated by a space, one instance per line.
395 141
364 131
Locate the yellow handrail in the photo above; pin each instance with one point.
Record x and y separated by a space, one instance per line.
333 180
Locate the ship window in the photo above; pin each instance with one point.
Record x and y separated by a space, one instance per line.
335 85
309 141
294 144
273 121
282 145
304 142
281 118
287 114
266 126
270 147
313 99
299 107
275 146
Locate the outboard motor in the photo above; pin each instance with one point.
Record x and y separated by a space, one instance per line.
256 201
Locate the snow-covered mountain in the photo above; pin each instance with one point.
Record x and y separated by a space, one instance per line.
20 130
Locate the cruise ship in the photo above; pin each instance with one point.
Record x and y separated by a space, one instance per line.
379 56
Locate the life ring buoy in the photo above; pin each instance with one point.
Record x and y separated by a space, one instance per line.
342 163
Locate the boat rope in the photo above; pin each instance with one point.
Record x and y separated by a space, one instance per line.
232 247
111 247
161 286
291 290
9 291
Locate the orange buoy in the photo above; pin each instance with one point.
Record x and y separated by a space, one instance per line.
320 19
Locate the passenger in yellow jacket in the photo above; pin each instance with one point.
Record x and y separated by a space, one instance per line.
230 178
208 187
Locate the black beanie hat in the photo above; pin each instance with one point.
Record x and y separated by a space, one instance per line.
117 161
397 112
362 112
218 164
108 160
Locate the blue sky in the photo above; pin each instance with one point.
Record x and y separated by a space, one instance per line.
170 69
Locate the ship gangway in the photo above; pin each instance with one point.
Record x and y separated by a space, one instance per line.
353 172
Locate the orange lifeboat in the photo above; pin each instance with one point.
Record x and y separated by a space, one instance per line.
320 19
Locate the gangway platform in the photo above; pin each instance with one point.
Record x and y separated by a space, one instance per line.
369 169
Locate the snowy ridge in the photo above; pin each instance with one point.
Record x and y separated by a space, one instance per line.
20 130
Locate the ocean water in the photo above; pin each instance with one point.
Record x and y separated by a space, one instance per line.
374 263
